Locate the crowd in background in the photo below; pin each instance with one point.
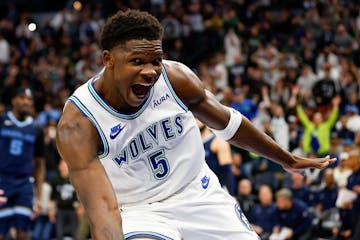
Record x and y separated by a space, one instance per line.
291 67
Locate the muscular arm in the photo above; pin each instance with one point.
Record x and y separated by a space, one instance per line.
78 144
205 107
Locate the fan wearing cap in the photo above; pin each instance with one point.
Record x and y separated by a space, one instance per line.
21 160
352 118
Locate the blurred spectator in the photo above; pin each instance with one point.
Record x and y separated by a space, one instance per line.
293 215
326 212
232 46
172 29
343 170
316 136
237 72
44 220
352 118
354 185
324 90
313 179
280 128
63 204
244 105
306 81
300 190
245 196
343 41
326 58
262 214
219 71
294 133
218 157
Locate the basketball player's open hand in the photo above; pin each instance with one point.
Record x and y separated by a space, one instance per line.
301 164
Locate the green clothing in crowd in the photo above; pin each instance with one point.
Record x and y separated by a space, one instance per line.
322 132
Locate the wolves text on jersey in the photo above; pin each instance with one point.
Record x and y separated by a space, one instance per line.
149 138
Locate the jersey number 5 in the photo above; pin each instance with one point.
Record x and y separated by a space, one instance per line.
159 164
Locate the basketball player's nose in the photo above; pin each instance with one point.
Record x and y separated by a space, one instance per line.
149 72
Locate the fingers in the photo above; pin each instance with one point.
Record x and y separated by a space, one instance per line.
327 161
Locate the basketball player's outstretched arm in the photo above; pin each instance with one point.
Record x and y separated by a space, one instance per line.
205 107
78 144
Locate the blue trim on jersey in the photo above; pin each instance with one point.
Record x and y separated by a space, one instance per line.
152 235
8 212
23 211
29 120
177 99
111 110
87 113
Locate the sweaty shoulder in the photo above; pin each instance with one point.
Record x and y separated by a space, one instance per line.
189 88
76 137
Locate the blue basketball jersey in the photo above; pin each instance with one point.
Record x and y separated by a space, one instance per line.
19 143
210 157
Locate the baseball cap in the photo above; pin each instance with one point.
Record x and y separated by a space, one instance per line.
351 108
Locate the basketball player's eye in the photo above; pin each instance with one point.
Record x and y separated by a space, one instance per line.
137 61
156 62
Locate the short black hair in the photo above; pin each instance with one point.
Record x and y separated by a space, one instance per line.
129 25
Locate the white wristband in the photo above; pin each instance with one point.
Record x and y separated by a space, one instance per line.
232 126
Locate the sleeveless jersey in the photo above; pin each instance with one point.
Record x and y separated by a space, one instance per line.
17 146
148 155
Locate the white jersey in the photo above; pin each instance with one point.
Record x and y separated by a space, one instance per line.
148 155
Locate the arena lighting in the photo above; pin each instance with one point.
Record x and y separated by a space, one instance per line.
77 5
32 27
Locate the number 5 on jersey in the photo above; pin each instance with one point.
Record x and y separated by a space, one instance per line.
159 164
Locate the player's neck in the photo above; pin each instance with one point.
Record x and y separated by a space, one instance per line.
109 93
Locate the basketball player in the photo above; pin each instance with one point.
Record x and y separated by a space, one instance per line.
132 144
21 159
218 157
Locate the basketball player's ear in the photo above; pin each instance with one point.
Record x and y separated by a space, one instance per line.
108 59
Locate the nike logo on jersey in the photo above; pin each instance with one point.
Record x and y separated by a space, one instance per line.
205 182
115 131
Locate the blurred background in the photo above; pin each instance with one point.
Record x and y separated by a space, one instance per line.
292 67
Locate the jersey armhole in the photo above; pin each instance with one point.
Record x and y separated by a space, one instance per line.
87 114
168 83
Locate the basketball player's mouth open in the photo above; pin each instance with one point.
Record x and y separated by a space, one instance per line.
141 90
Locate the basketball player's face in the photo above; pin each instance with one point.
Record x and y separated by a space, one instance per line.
136 68
22 105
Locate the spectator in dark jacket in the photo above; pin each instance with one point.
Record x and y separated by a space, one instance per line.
292 214
262 214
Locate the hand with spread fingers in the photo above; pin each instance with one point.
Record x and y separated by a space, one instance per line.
301 164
